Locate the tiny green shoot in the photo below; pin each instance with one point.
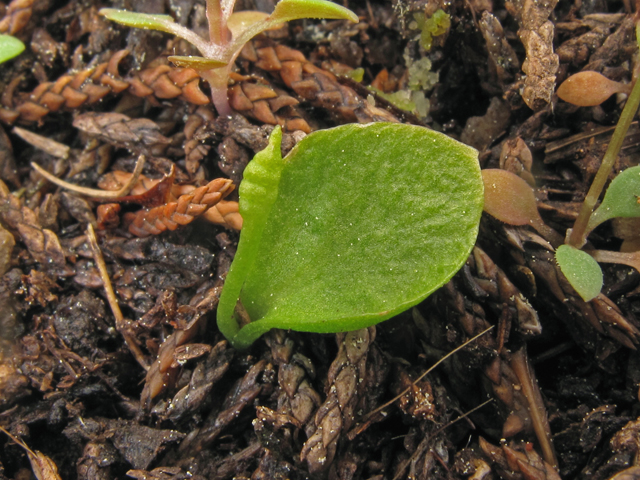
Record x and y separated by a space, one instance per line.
10 47
621 199
355 225
433 26
228 33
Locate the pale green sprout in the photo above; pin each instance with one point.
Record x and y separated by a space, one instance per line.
228 33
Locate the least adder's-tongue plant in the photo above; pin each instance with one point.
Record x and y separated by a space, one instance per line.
355 225
228 33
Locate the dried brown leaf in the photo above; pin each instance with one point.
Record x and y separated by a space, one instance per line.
120 130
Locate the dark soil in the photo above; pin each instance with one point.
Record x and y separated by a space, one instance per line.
72 380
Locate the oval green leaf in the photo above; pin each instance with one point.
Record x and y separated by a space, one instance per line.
509 198
163 23
287 10
621 199
367 221
10 47
582 271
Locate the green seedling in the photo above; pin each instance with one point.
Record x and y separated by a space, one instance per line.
228 33
355 225
10 47
621 199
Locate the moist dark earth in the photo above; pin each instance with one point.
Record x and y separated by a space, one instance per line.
152 390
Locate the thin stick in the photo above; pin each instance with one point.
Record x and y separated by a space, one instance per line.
94 192
464 415
113 301
53 148
537 410
415 382
419 450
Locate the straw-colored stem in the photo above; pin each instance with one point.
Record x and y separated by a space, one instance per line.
94 192
112 299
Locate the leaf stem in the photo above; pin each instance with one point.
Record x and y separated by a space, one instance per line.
578 235
218 31
218 79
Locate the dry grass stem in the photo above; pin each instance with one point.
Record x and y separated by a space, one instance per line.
53 148
113 301
531 391
94 192
426 372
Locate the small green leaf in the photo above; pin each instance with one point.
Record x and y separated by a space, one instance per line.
287 10
147 21
357 224
509 198
582 271
10 47
197 63
621 199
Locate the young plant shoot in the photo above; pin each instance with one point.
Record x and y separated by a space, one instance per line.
621 199
355 225
228 33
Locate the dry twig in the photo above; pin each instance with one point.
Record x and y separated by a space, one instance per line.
121 324
43 467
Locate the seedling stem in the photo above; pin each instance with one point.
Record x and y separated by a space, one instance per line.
578 235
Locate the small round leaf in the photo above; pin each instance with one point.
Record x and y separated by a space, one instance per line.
582 271
509 198
10 47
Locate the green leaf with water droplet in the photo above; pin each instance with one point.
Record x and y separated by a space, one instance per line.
357 224
287 10
163 23
10 47
582 271
621 199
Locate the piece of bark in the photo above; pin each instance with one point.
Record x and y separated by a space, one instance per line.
541 65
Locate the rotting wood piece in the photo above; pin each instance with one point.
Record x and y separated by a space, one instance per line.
346 380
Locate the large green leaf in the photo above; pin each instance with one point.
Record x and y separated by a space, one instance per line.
582 271
621 199
367 221
9 47
287 10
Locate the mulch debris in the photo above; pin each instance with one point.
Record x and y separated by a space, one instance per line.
149 389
